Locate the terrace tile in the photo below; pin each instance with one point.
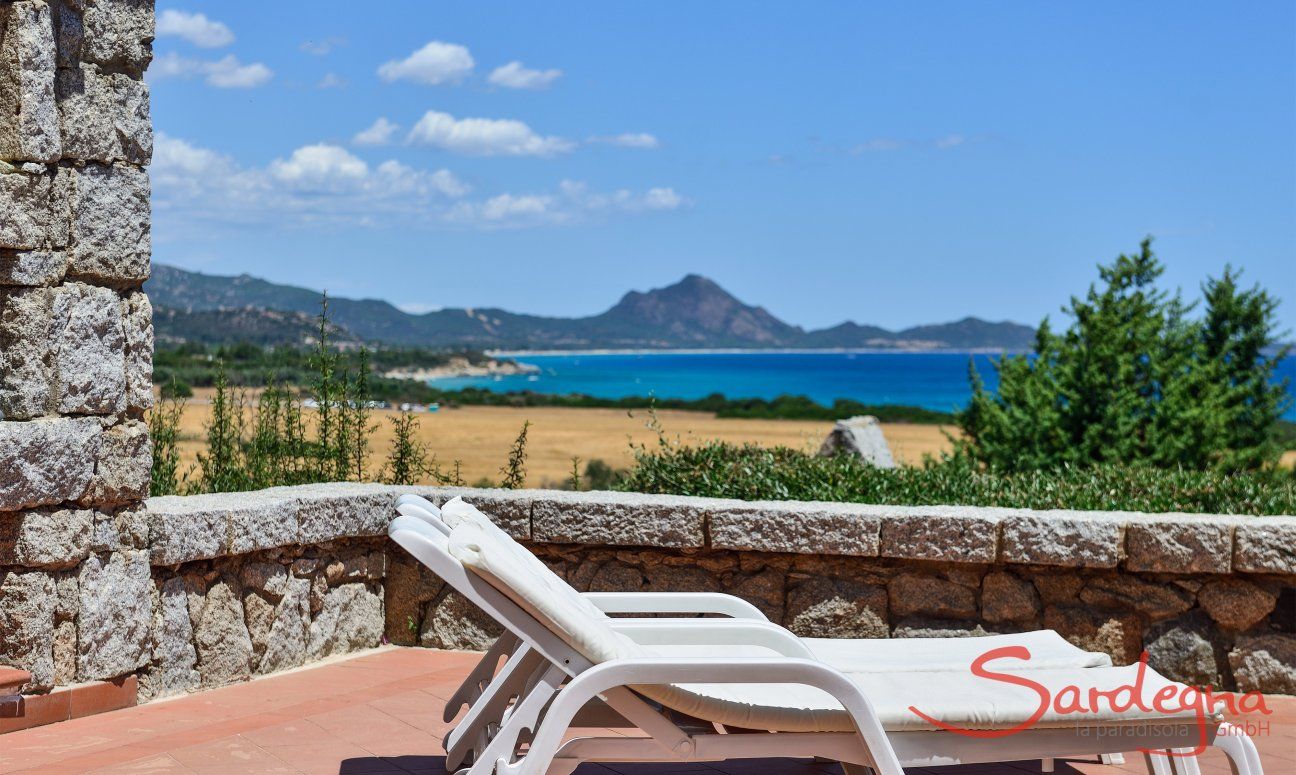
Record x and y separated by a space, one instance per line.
379 713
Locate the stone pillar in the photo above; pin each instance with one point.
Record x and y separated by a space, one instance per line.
76 337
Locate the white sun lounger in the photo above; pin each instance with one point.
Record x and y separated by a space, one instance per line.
566 658
883 655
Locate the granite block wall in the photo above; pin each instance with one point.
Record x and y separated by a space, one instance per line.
75 336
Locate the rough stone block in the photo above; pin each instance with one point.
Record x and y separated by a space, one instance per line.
1008 598
326 512
800 528
928 627
120 529
1265 545
34 207
1237 604
45 538
173 665
30 131
451 622
262 523
115 616
1180 543
31 267
1124 592
914 593
1265 663
90 364
409 586
26 363
350 619
837 608
123 470
27 604
110 224
950 534
187 528
621 519
104 116
278 619
220 634
46 462
119 34
69 31
1067 538
1184 650
137 313
1120 635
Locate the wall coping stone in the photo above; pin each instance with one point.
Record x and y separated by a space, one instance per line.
200 527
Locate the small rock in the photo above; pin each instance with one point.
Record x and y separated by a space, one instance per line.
1156 599
1119 635
350 618
861 437
921 627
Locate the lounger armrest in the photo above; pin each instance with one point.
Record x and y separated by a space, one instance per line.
712 632
674 603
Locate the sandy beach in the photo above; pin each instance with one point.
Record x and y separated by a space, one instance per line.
480 436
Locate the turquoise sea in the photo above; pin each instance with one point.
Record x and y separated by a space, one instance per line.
932 380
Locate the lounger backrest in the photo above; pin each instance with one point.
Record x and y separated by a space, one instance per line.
458 512
540 592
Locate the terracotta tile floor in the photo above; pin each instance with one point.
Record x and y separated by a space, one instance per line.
381 713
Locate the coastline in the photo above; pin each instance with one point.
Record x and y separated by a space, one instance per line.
759 351
460 367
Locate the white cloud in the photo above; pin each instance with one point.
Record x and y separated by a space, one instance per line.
193 27
197 189
627 140
319 166
484 136
322 47
516 75
378 133
436 63
224 73
198 192
331 81
571 203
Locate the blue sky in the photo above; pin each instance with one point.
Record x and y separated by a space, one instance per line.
894 164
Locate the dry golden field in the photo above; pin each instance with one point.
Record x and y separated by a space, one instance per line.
480 436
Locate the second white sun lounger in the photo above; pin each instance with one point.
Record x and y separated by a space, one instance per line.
567 658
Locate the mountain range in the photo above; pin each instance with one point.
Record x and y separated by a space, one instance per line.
693 313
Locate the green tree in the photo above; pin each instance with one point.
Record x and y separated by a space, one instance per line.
1136 380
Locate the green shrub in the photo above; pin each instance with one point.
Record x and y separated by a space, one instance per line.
1135 380
749 472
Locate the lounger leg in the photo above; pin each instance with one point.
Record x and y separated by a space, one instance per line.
489 709
855 769
1158 763
480 677
498 753
1046 765
1114 759
1241 751
1184 762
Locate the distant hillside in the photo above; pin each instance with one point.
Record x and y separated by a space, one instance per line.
262 327
693 313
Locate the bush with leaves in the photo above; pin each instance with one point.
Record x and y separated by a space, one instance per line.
1136 380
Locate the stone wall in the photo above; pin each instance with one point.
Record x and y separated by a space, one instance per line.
249 583
75 337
